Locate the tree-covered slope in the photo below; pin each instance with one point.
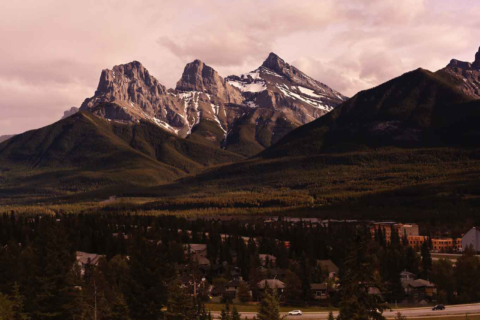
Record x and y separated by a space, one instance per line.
417 109
92 152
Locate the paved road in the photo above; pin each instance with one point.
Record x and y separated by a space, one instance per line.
410 313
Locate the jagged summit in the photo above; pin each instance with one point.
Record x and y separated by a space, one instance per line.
275 63
466 75
197 76
242 114
476 63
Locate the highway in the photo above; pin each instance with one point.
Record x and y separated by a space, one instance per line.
458 310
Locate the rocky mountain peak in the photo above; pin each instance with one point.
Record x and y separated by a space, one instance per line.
70 112
277 64
127 75
197 76
467 74
132 87
476 63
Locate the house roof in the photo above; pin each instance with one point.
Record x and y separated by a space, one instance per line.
201 260
85 258
218 289
196 247
278 271
319 286
265 256
328 264
272 283
234 283
419 283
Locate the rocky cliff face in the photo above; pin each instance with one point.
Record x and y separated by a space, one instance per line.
476 63
244 113
69 112
466 75
197 76
128 93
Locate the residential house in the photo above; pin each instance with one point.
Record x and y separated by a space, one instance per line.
419 290
267 260
320 291
84 259
273 284
218 290
407 276
196 249
231 288
329 266
200 260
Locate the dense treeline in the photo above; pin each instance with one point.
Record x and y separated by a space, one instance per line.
145 265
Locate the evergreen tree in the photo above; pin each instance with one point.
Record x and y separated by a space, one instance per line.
330 316
293 289
399 316
243 292
146 292
444 278
225 314
466 276
235 314
54 260
18 302
180 304
358 278
269 308
426 261
6 308
305 279
412 261
119 309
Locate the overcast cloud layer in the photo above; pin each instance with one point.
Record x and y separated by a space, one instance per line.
53 51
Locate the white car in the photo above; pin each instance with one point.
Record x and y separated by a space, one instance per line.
295 313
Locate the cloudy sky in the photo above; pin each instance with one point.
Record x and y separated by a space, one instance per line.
52 51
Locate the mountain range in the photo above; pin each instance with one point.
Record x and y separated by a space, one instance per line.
415 138
243 114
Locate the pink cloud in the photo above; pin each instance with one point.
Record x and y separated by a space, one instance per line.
53 51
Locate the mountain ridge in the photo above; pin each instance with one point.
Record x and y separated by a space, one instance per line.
466 75
406 111
202 94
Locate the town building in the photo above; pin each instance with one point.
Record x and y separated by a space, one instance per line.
438 244
267 260
272 284
328 266
320 291
472 238
85 259
417 290
389 227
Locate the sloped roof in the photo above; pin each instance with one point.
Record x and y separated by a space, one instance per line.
272 283
319 286
196 247
419 283
85 258
328 264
